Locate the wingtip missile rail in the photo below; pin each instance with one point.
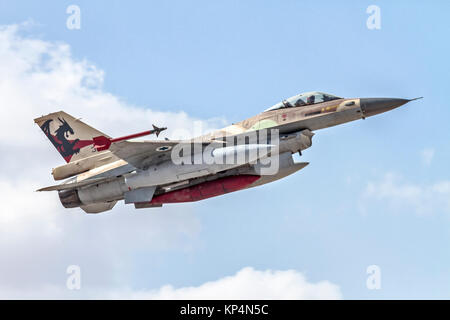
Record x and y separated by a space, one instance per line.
102 143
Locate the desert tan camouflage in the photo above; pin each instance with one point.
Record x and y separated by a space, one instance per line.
148 175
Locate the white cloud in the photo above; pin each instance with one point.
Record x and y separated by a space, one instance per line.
427 155
399 195
248 283
39 238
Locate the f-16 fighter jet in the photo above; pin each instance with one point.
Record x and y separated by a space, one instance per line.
101 170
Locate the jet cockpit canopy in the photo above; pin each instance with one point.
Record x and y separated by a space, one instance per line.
304 99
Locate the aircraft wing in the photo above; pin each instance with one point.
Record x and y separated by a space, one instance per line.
142 154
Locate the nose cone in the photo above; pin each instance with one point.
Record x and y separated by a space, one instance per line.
373 106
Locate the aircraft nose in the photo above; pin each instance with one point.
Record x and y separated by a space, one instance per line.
373 106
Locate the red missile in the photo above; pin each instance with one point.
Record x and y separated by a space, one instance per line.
102 143
206 189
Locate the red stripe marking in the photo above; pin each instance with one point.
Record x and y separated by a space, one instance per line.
206 189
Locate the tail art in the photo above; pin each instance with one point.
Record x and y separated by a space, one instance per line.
70 136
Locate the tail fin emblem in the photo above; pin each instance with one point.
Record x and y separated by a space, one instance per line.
67 148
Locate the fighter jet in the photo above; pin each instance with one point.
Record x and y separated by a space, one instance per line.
100 170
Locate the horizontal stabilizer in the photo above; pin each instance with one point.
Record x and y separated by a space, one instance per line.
73 185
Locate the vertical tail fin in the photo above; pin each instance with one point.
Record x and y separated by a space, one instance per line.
71 137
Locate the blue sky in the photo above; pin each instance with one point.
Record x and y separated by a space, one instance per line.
233 59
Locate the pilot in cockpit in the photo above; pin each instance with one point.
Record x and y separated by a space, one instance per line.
311 99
